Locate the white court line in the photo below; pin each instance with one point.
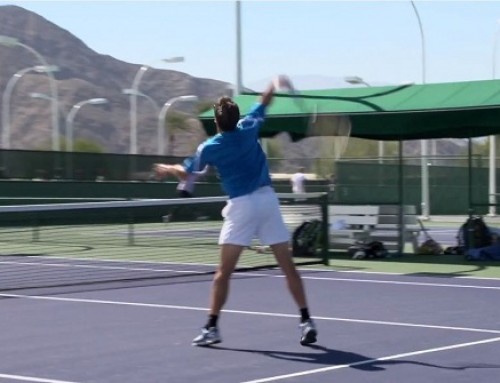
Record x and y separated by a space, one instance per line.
370 361
99 267
320 269
243 312
32 379
429 274
428 284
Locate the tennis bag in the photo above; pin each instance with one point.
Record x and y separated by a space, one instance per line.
306 239
370 250
474 233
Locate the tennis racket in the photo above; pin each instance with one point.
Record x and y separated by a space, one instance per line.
335 127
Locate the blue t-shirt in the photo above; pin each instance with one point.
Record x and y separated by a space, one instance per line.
237 155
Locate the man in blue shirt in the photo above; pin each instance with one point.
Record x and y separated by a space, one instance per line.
252 210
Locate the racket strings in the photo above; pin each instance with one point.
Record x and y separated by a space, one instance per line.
334 128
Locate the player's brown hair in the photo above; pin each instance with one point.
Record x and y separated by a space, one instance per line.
227 114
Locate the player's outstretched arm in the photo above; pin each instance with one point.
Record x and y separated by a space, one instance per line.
163 170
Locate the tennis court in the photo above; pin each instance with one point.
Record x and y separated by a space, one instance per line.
373 327
86 306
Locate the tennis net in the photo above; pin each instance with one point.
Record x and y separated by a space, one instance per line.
88 243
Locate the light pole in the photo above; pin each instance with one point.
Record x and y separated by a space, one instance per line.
492 189
358 80
423 143
162 121
12 42
135 93
71 116
131 92
239 79
6 99
133 100
69 130
355 80
44 96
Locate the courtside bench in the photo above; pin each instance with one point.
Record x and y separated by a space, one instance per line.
387 228
351 224
354 224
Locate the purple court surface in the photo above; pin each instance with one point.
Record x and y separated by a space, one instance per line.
373 327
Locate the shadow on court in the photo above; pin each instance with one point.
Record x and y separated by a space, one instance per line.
330 357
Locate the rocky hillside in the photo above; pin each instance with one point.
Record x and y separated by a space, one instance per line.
84 74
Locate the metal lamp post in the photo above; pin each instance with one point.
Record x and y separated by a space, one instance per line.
69 130
140 94
133 100
71 116
423 143
492 188
162 120
239 77
355 80
12 42
7 95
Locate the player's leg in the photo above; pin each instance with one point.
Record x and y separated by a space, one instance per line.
220 289
307 327
282 254
274 232
236 234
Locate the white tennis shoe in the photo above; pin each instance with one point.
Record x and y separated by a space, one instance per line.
308 332
207 337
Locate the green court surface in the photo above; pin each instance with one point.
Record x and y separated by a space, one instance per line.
185 243
196 243
435 265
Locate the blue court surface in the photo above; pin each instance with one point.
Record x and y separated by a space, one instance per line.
373 327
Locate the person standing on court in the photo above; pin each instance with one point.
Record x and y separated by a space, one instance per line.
252 209
298 181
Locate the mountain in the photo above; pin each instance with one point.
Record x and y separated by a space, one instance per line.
83 74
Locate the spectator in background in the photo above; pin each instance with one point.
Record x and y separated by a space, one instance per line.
298 181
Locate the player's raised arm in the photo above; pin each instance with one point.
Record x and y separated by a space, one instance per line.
280 82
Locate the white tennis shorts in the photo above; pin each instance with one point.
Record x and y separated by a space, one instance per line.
256 215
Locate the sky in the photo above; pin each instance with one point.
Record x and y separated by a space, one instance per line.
379 41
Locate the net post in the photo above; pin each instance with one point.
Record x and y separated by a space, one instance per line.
35 233
325 240
130 231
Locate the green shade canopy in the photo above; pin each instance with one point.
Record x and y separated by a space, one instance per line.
406 112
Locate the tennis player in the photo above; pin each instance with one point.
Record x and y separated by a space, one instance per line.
252 209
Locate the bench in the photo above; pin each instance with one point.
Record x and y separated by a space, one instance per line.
352 224
387 228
